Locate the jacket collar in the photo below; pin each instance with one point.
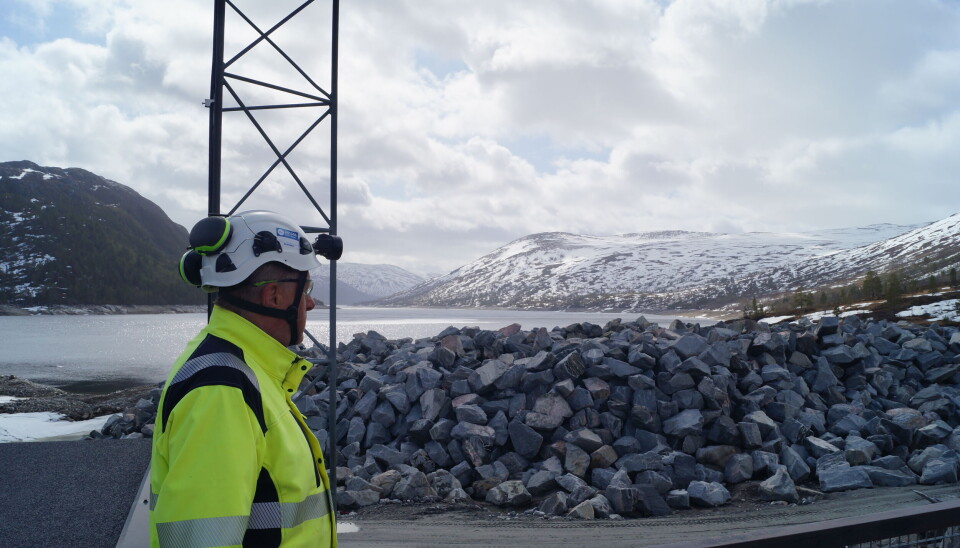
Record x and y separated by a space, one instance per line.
259 348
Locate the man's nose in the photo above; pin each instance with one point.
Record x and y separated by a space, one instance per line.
310 303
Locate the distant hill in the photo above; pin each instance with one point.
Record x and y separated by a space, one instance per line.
676 269
361 283
72 237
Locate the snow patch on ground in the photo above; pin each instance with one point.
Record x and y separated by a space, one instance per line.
941 310
22 173
814 316
775 319
347 528
939 293
8 399
844 314
26 289
945 310
37 426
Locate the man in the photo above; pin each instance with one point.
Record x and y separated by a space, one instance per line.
234 463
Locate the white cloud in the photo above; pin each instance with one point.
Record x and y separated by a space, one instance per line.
701 115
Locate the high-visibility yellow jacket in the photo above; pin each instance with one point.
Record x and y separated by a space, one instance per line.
234 463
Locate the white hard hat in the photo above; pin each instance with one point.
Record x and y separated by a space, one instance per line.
228 249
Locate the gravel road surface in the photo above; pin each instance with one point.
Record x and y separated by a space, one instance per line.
68 493
479 525
78 494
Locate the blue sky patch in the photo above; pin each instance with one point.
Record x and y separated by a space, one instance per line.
543 153
25 25
441 66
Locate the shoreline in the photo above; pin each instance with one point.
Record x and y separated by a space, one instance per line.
100 309
698 313
33 397
107 309
117 309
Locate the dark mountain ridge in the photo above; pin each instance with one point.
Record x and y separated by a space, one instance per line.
70 237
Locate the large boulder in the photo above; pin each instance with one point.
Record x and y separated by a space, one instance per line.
526 441
779 487
708 494
414 486
684 423
483 378
349 500
844 479
509 493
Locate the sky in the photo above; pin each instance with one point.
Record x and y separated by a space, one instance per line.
466 124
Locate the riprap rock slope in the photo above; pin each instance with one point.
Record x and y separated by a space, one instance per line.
632 418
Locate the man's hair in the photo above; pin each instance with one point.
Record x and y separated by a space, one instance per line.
246 291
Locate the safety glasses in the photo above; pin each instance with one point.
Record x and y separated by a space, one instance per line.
307 287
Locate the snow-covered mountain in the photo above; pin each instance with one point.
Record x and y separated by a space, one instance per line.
656 270
379 280
935 244
358 283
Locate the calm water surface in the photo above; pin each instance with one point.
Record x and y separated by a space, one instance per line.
102 353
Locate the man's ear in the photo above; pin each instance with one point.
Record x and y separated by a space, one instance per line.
270 296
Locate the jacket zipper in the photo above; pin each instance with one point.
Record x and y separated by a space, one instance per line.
306 438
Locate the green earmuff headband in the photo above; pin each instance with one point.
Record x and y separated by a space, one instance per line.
210 235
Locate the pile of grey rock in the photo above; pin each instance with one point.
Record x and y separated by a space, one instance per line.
134 422
634 419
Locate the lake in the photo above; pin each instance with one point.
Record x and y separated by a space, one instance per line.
104 353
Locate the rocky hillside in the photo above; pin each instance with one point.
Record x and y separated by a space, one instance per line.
73 237
662 270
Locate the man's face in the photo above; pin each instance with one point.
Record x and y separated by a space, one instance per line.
306 304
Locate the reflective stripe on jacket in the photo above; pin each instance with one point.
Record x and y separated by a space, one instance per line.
234 463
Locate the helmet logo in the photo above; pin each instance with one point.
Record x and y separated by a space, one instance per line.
288 235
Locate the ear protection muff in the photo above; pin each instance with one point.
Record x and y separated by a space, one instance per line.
210 235
207 237
190 264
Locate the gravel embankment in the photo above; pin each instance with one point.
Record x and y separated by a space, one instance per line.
636 419
43 398
100 309
627 419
